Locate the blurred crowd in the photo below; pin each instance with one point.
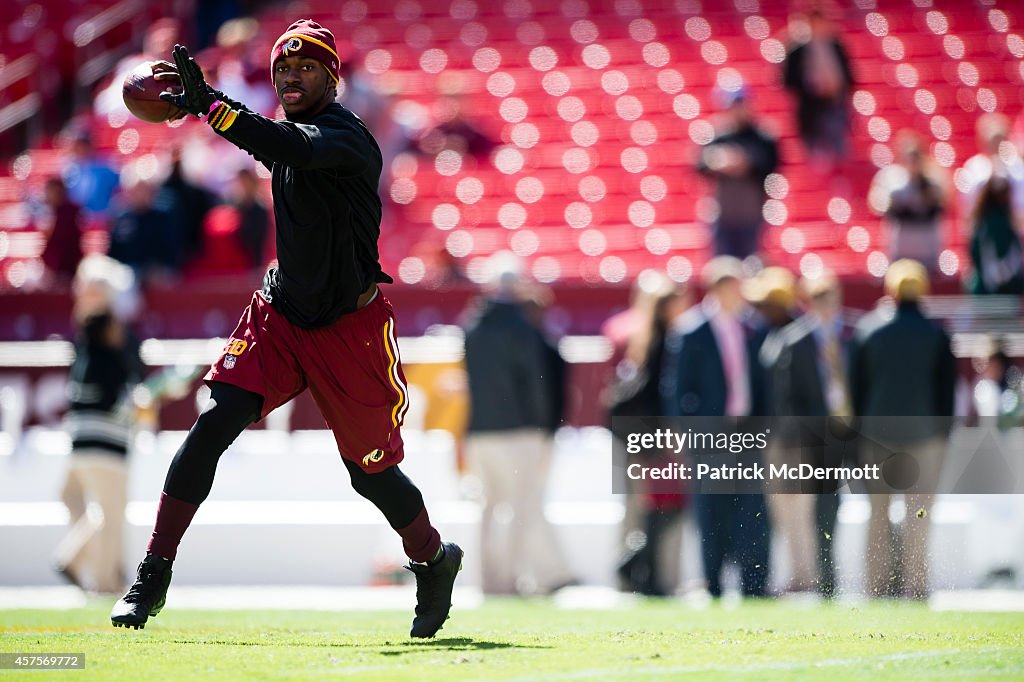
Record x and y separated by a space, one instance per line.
761 343
205 211
742 339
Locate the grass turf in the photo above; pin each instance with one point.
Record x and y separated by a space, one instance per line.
534 641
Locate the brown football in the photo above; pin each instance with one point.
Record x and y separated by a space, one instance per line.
141 93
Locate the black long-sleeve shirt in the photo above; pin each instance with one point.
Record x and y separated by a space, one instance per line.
325 174
100 416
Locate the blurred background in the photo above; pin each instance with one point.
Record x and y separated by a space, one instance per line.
593 151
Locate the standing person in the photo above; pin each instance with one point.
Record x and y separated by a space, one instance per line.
510 399
320 321
737 161
91 180
809 373
817 71
911 195
652 537
145 235
710 372
99 421
997 259
63 251
188 203
997 155
902 381
253 217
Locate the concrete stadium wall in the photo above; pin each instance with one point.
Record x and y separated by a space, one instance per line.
282 512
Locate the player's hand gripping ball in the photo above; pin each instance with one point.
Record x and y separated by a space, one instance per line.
142 88
196 96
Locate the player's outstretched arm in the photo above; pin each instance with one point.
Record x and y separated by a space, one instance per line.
344 147
197 97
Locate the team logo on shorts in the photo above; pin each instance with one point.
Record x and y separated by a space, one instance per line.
373 457
229 361
293 45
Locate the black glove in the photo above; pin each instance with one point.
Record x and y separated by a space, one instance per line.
196 97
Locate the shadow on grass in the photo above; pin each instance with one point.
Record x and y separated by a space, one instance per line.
451 644
390 648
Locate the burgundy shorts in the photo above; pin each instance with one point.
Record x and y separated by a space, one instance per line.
351 367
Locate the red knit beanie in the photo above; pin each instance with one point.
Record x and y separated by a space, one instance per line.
307 38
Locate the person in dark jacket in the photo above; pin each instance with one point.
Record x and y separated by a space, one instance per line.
321 321
145 235
817 71
188 203
902 384
253 218
711 371
508 366
737 161
997 259
99 421
808 365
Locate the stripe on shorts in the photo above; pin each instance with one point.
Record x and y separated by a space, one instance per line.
402 406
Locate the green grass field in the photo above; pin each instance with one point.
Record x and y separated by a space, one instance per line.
534 641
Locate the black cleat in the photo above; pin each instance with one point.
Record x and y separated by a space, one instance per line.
434 591
146 597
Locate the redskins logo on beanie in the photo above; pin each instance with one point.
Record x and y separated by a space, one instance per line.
309 39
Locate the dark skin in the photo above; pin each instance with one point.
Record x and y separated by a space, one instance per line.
304 87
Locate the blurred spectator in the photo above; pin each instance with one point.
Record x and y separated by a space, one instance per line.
772 292
510 399
145 237
902 384
911 195
998 396
536 300
997 260
651 530
807 362
211 15
996 155
710 371
91 181
99 421
242 68
253 216
63 249
817 71
452 130
737 161
189 203
772 295
624 324
235 233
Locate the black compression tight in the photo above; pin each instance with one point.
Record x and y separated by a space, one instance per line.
229 412
391 491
